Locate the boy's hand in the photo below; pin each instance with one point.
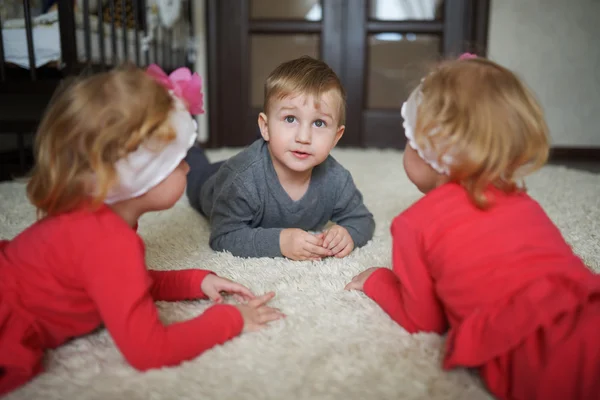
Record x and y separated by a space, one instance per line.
257 314
358 282
213 285
297 244
338 240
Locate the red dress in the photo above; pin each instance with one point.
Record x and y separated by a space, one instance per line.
516 302
66 275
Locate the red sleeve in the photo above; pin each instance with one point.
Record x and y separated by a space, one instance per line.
407 293
117 280
177 285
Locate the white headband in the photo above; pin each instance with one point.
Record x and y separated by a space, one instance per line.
409 114
145 168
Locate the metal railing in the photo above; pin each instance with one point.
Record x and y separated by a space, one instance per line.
101 39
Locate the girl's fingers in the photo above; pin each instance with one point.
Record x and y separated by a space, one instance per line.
239 298
213 294
267 309
242 290
269 316
261 300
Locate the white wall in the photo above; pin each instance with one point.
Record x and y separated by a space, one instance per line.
554 45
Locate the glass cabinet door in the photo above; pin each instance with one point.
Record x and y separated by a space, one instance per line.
379 48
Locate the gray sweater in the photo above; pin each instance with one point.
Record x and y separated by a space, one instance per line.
248 208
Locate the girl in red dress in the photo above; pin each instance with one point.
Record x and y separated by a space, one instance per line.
109 149
478 258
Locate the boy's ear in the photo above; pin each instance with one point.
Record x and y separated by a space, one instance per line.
263 126
338 134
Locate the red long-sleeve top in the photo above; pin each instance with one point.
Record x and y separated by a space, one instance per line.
489 278
66 275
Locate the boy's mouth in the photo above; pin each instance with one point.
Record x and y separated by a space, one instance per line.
300 154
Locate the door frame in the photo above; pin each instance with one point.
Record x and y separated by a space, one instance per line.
344 26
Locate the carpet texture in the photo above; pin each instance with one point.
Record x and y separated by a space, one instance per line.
333 344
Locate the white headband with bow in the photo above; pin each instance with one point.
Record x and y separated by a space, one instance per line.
427 154
151 163
409 114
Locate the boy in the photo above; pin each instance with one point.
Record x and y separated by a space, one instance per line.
263 201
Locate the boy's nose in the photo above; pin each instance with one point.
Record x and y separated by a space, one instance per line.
303 135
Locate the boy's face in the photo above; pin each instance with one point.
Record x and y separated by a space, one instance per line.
299 133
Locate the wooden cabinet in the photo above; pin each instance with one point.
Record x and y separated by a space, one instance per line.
379 48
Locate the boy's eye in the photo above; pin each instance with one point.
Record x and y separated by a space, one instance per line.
319 123
290 119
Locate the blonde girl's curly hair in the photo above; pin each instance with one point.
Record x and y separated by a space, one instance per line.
89 125
483 117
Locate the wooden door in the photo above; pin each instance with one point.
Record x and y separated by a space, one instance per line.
379 48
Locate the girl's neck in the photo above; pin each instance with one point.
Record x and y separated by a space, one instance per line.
127 210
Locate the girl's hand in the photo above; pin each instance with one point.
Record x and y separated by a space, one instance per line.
358 282
297 244
213 285
338 240
257 314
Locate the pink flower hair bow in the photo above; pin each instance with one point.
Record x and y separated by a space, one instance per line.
183 83
467 56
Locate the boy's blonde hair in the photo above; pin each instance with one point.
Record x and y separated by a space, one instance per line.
88 126
308 76
487 121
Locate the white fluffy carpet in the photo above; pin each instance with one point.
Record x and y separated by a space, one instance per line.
333 344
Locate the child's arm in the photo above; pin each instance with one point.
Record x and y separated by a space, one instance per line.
351 213
116 279
407 294
177 285
192 284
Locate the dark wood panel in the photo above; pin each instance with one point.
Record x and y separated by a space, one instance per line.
284 26
232 79
332 36
15 164
405 26
21 111
456 27
480 27
561 153
355 71
383 129
212 72
68 46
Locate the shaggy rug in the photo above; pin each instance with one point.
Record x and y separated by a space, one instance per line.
333 344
